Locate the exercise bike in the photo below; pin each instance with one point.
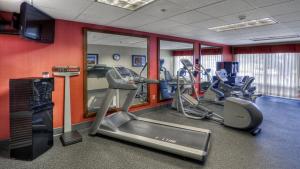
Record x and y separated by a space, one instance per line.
244 90
238 113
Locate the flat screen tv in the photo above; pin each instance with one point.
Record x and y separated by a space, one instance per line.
35 24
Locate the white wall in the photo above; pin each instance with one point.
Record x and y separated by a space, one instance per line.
105 57
106 52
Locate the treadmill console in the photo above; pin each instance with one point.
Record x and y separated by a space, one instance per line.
124 72
128 74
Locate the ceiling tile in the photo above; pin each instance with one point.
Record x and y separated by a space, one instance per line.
170 45
293 25
10 5
182 18
268 28
134 40
70 5
112 40
134 20
208 23
60 14
66 9
290 17
93 20
250 15
281 9
182 29
163 26
194 4
264 3
226 8
190 17
93 36
102 14
155 9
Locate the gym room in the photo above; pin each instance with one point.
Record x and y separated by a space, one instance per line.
156 84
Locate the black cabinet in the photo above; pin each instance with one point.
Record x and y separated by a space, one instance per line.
232 68
31 117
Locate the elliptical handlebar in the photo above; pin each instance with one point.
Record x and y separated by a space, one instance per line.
206 73
145 80
144 67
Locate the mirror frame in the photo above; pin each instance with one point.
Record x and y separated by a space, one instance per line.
210 44
158 61
213 45
200 47
85 44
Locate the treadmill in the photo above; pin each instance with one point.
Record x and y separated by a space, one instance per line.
173 138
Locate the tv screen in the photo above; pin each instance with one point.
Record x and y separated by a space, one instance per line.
35 24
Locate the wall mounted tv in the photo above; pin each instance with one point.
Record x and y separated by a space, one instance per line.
35 24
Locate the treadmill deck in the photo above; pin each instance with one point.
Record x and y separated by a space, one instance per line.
174 138
178 136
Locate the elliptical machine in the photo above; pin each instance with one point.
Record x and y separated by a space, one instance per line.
238 113
167 84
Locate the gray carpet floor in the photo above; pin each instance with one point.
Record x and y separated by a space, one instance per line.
277 147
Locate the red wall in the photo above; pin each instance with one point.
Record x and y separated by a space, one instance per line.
23 58
227 54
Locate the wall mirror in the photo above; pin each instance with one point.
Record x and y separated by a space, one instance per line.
103 51
170 54
209 56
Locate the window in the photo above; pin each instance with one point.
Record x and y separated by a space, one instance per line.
275 74
210 62
178 64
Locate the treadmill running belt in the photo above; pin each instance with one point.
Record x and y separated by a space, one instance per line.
183 137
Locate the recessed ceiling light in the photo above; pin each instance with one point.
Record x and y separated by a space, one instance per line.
127 4
275 38
243 25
